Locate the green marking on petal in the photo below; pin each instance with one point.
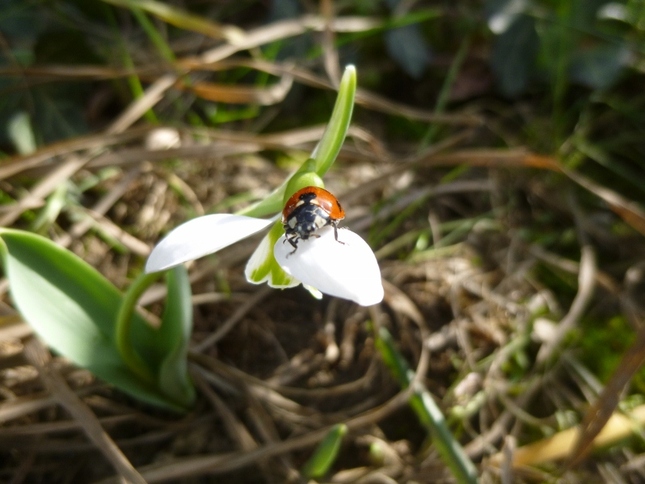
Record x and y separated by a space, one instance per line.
262 266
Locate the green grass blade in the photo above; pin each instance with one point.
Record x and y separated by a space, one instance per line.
325 454
427 412
153 34
181 18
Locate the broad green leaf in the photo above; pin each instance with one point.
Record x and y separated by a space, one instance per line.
73 309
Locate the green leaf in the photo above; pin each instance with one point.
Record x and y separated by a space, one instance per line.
21 134
160 356
180 18
329 146
49 213
409 49
73 309
326 452
600 66
173 337
514 55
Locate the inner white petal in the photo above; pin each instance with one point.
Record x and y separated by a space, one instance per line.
348 270
201 236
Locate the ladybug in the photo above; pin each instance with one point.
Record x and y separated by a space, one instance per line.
307 211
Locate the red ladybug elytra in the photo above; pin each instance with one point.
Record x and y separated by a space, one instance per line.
307 211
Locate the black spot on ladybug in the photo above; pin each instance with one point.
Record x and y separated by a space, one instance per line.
307 211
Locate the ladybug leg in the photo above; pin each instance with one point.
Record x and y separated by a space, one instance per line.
293 241
335 225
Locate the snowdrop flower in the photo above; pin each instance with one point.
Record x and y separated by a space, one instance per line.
348 270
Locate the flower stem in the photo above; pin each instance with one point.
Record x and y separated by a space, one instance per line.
124 323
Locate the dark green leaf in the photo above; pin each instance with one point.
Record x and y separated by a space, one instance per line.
514 54
600 66
409 49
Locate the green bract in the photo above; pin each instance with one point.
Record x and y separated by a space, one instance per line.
304 177
262 266
323 156
74 309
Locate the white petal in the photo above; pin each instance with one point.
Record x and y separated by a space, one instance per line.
201 236
262 266
348 270
313 291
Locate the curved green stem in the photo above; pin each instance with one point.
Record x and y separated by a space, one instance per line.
124 322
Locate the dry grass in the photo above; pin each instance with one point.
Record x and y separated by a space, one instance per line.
465 286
